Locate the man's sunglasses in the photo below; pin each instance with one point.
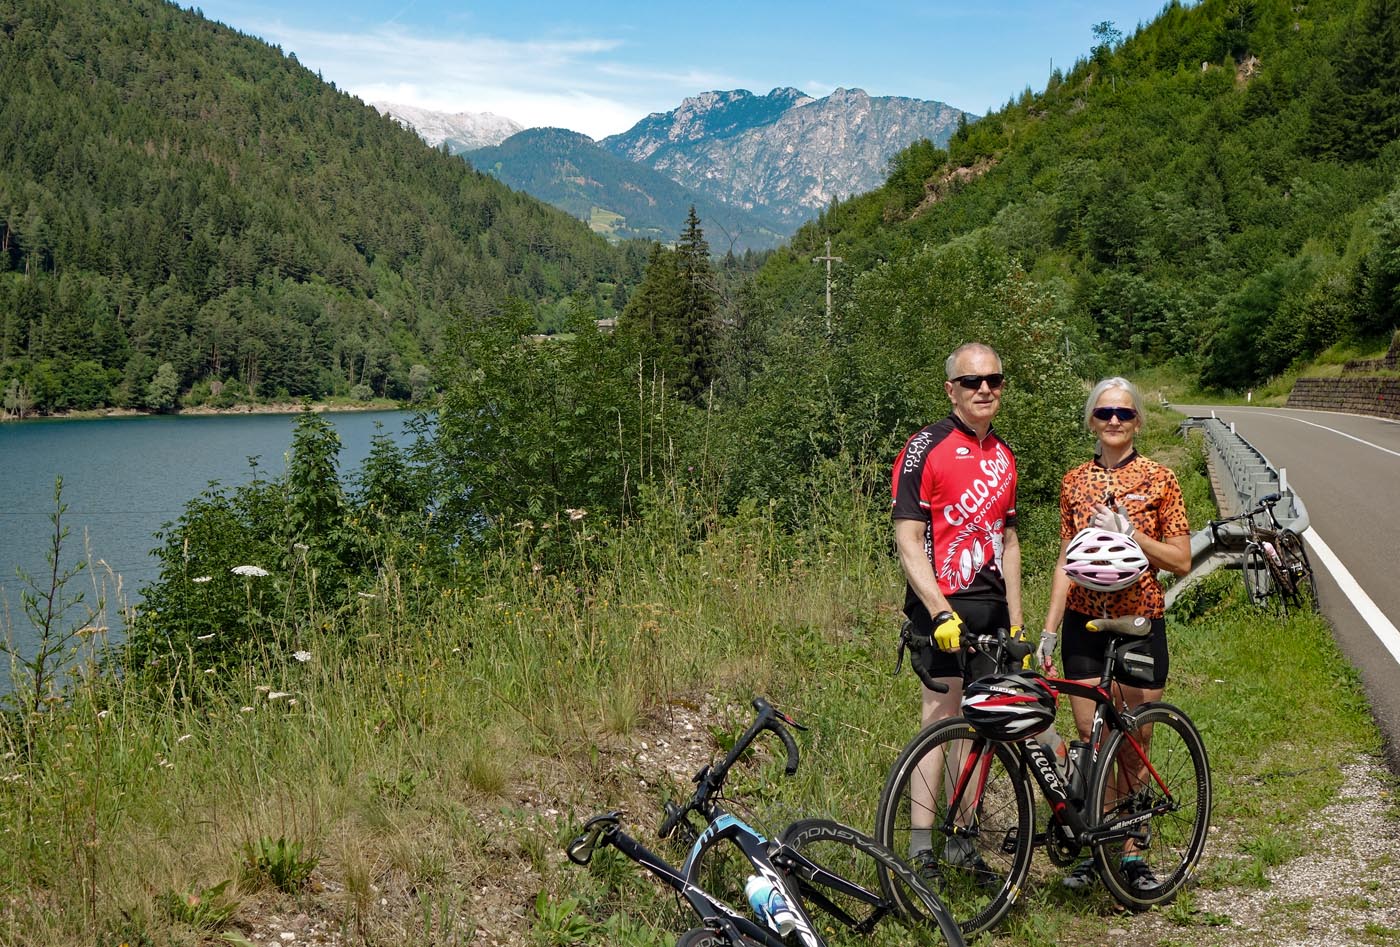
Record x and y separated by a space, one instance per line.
1122 414
974 382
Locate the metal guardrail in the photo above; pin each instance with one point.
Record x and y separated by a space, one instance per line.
1250 477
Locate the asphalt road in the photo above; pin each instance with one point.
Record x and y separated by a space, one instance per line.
1346 469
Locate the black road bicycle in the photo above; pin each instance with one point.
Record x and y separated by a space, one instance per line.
1274 563
1143 779
836 880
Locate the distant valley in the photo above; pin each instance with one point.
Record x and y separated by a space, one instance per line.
755 167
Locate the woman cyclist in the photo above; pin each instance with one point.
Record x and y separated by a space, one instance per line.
1118 492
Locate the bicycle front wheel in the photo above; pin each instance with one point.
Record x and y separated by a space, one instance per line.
977 859
852 885
1295 560
1258 580
704 937
1159 771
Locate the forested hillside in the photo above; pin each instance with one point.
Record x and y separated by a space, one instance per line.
620 198
175 193
1218 189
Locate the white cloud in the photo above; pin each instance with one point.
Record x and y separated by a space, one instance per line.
578 83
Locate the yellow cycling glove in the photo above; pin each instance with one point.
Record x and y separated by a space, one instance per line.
1018 633
947 631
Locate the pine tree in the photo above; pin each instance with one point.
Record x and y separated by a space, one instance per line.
698 327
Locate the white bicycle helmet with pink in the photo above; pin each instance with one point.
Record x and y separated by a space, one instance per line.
1102 561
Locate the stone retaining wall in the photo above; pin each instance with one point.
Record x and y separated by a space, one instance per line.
1378 396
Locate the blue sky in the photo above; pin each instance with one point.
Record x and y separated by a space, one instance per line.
598 66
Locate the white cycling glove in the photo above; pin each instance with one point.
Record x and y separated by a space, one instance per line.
1114 522
1045 651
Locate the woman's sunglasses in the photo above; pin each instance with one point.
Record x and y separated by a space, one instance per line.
1122 414
974 382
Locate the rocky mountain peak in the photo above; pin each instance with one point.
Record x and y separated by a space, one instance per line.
460 131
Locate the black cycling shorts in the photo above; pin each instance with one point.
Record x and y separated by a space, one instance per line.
1081 652
979 617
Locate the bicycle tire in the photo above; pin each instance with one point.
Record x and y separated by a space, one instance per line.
1002 835
897 896
1295 559
704 937
1174 838
1258 578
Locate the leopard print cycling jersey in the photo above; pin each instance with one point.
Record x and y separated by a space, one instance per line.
1150 495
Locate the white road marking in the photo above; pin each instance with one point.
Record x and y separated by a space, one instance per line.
1384 630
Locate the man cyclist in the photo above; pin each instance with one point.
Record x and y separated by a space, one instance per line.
954 511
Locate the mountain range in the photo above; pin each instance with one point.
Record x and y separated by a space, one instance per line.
754 166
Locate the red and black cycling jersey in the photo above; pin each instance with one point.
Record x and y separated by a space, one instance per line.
964 490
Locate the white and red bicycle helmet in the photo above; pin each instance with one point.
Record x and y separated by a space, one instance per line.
1102 561
1008 707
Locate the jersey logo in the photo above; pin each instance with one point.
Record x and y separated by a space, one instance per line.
962 453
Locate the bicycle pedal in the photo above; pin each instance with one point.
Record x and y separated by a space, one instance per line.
1009 841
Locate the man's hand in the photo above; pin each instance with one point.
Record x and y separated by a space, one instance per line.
1111 520
947 631
1045 651
1018 633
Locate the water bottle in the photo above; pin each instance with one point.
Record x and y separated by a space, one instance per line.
1272 553
1078 766
769 905
1051 743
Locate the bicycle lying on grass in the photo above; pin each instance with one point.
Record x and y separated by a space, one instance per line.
833 879
1138 793
1274 563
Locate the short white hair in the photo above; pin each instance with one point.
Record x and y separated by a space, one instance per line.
1106 385
951 365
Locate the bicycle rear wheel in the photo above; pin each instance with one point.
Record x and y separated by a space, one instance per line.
1169 781
888 901
976 862
1295 560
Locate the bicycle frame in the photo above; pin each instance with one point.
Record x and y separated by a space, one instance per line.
713 913
1065 801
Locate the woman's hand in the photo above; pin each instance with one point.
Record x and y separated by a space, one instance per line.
1115 521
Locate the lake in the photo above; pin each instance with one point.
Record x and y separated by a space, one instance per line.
124 477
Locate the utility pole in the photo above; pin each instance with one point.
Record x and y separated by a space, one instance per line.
829 259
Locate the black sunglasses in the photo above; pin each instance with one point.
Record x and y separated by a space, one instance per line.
974 382
1122 414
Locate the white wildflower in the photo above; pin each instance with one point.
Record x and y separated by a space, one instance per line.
576 515
256 572
208 670
292 702
245 710
366 595
301 547
103 714
302 656
278 695
184 738
201 579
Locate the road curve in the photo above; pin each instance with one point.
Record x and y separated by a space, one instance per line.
1346 469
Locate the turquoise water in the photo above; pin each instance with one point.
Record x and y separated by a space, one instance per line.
122 479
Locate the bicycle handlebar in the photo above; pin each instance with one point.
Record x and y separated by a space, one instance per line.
711 777
1265 505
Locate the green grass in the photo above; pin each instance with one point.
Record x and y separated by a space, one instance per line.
460 744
